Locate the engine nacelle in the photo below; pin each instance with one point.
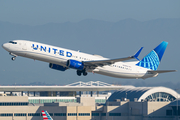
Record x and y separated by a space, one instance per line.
57 67
75 64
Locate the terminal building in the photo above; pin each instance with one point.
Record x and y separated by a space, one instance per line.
125 102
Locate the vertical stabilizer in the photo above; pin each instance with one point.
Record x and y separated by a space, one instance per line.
46 115
153 59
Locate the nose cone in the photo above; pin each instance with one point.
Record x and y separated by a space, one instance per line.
5 46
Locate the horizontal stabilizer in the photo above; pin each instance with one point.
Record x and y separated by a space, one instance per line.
161 71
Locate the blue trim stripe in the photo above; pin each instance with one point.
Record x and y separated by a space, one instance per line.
152 60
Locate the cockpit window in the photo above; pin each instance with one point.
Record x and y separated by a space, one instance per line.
12 42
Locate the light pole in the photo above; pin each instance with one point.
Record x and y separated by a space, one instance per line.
126 95
177 105
177 101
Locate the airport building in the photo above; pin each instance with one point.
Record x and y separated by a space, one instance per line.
125 103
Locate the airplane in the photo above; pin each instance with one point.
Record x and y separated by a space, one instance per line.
62 59
46 115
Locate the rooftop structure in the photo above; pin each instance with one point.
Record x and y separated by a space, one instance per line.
126 103
78 86
145 94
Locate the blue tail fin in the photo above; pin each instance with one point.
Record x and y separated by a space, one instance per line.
153 59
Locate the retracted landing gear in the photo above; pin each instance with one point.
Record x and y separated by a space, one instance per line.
79 72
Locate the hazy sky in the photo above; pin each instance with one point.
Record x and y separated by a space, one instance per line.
38 12
35 12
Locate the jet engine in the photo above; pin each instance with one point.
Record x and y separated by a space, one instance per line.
75 64
57 67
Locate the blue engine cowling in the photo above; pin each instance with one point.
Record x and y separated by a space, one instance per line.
75 64
57 67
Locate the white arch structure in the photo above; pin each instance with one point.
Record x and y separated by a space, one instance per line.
145 94
159 90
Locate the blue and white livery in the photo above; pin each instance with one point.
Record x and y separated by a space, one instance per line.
62 59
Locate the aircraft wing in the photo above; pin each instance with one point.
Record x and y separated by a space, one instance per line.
105 62
161 71
111 61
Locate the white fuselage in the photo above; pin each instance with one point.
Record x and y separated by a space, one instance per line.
59 56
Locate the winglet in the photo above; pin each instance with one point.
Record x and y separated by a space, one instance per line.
137 53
